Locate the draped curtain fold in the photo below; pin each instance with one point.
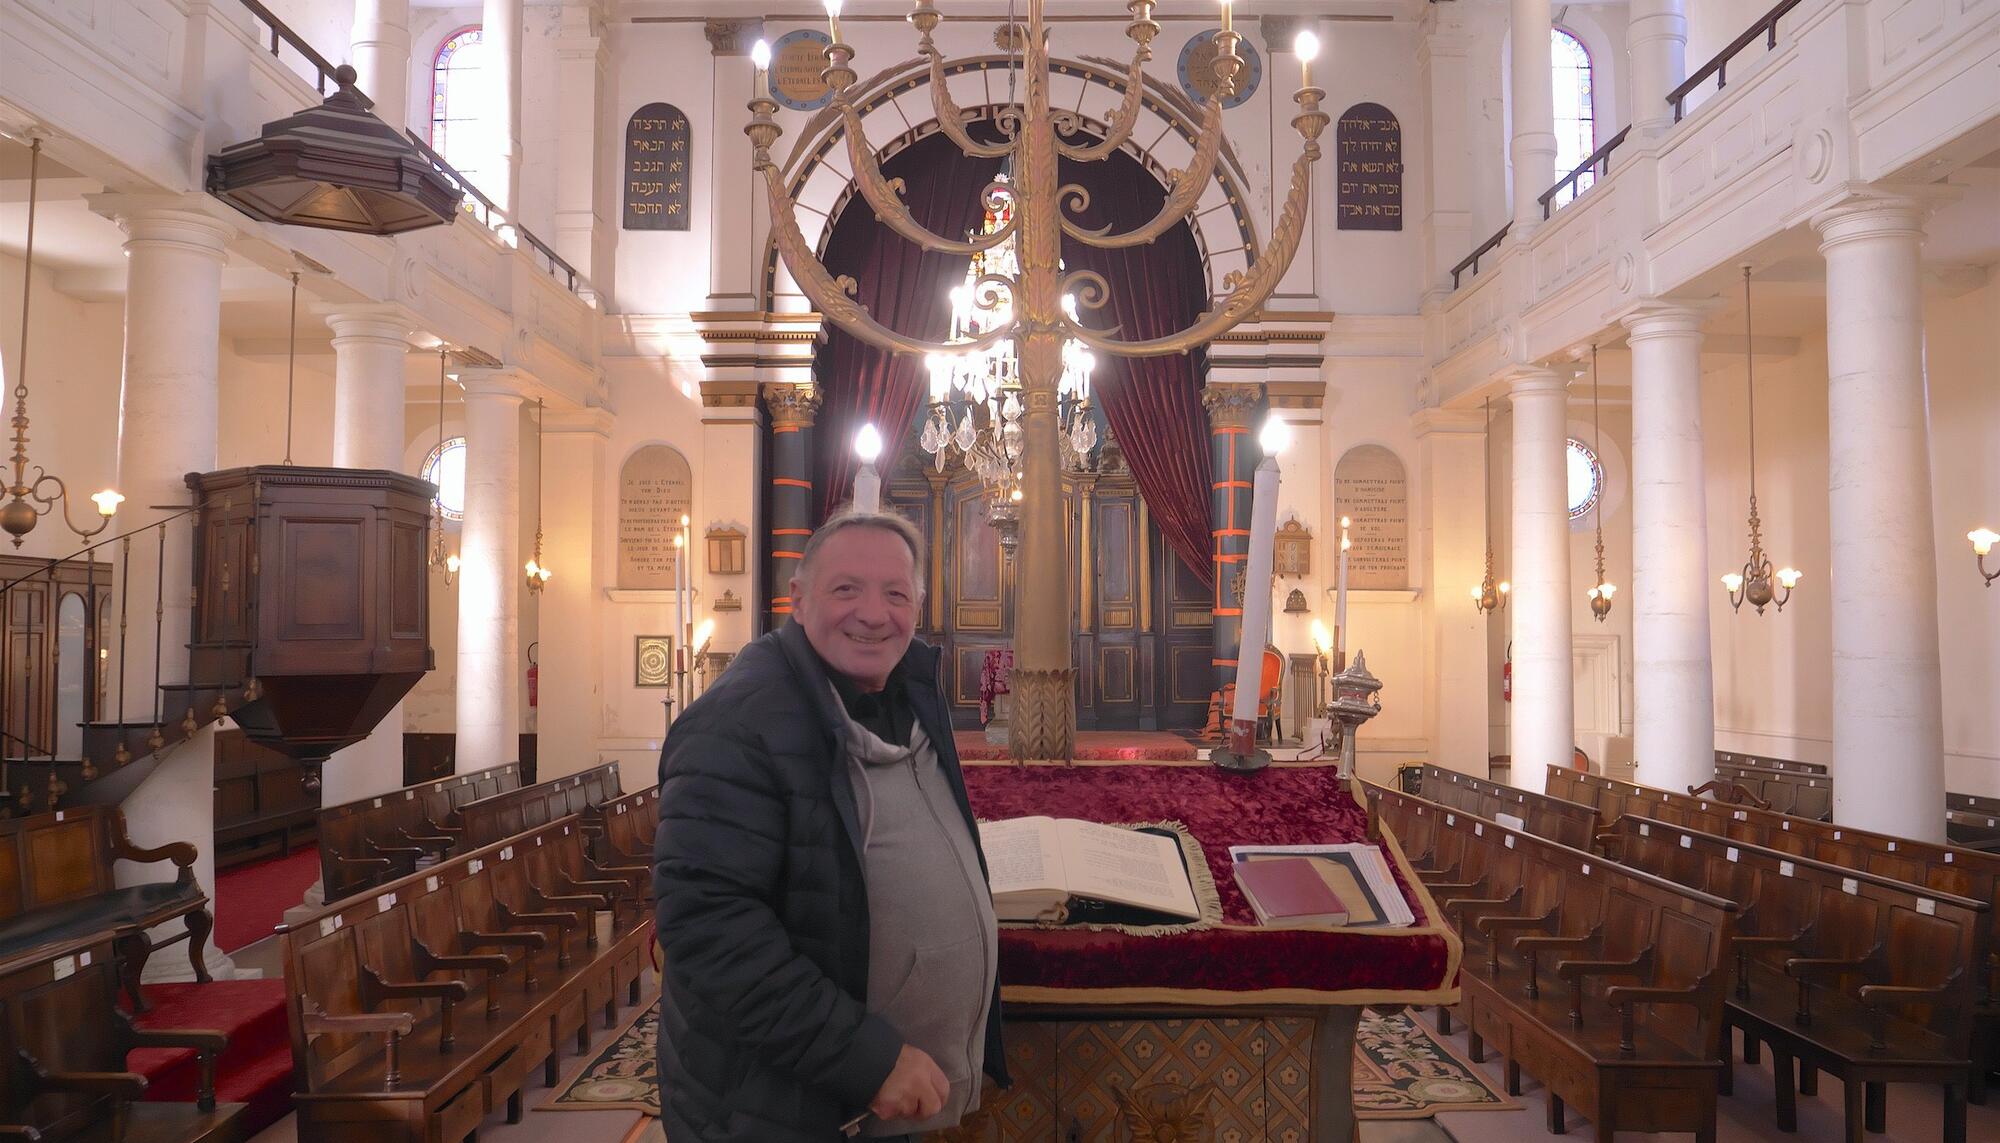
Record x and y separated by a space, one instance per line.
907 290
1152 405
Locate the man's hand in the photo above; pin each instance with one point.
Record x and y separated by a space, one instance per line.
916 1088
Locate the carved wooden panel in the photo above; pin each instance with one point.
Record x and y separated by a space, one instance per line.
406 562
321 579
978 575
1190 674
1117 674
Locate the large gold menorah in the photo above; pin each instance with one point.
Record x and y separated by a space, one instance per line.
1043 680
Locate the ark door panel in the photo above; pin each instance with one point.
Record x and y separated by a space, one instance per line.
1118 563
1185 646
978 588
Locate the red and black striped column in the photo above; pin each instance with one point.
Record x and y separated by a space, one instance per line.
792 408
1233 460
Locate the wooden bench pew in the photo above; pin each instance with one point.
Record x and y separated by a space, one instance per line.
1739 758
1801 794
1543 815
1867 978
65 1045
57 883
503 815
419 1007
376 839
1632 1031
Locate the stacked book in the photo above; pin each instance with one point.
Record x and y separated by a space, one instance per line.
1303 886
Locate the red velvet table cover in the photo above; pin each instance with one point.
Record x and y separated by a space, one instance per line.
1237 962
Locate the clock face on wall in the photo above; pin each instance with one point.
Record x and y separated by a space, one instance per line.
1197 69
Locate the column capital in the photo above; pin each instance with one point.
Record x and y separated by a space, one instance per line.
368 321
1447 422
596 422
1660 317
193 223
1230 406
792 405
506 383
1879 212
1529 380
732 37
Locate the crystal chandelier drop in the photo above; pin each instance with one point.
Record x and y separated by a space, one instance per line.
976 405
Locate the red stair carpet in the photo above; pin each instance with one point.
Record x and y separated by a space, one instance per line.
250 900
255 1069
1094 746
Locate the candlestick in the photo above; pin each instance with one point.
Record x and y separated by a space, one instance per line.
1305 46
1227 25
760 62
833 18
1340 594
867 482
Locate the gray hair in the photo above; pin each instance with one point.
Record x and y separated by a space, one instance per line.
881 521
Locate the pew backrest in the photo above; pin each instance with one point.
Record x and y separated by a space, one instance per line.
505 814
356 837
1543 815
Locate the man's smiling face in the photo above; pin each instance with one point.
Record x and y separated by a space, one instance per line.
859 603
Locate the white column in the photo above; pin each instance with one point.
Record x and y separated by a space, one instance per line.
738 214
1543 731
1533 90
1673 676
1656 47
584 236
489 576
167 427
572 693
382 57
1452 546
500 27
370 343
1888 725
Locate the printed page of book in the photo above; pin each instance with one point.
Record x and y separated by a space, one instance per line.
1024 868
1126 867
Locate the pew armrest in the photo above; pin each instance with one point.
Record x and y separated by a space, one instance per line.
399 850
1802 967
1575 970
477 962
1626 995
1760 941
1537 944
367 862
421 989
321 1023
129 1085
1493 926
20 1131
181 853
199 1040
1897 995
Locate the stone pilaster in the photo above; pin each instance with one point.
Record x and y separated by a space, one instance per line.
792 409
1233 457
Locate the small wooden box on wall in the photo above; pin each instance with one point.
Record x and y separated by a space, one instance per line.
725 551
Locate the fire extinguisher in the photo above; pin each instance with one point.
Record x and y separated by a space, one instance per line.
534 677
1507 676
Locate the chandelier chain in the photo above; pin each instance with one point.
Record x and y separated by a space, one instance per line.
20 487
291 363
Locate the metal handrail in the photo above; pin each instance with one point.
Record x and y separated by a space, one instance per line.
556 264
1767 26
1597 158
281 32
1472 260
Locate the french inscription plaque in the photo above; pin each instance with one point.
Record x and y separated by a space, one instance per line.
1369 159
797 60
656 168
652 497
1371 489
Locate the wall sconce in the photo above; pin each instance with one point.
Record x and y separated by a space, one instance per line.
1982 546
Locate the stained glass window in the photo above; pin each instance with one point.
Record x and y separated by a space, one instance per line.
1576 127
1586 479
455 100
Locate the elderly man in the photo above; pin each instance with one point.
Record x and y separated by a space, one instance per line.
830 943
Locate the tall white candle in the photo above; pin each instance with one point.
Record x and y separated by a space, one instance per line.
1256 630
867 482
1340 597
680 600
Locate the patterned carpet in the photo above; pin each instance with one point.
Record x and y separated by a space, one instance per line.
1400 1072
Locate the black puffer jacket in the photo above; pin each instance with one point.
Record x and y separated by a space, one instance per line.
763 914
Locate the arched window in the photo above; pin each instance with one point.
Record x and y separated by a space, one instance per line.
455 100
1576 126
1586 479
445 467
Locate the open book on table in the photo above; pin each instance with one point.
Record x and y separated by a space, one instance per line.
1067 870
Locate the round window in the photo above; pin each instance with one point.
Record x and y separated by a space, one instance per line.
445 467
1586 479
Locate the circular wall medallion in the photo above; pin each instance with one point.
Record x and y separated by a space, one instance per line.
1197 69
796 61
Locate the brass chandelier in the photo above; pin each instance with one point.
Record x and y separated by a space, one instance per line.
1754 582
1489 596
538 573
1600 595
1036 135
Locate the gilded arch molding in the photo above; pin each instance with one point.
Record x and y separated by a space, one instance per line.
893 117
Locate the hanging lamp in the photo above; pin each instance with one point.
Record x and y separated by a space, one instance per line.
538 572
1489 596
439 558
1754 582
1600 595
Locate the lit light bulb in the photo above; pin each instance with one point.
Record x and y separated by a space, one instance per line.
1788 578
833 18
1505 587
703 634
1324 641
1305 46
1609 589
760 55
1275 435
452 563
1478 594
1982 540
868 444
1733 582
108 501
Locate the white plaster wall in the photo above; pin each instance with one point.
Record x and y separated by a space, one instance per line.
665 271
1366 271
75 358
251 426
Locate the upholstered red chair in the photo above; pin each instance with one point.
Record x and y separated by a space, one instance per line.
1270 685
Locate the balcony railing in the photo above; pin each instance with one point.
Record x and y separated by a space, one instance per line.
1471 261
1767 27
1598 163
282 35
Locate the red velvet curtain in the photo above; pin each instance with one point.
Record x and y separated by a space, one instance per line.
1153 404
905 289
